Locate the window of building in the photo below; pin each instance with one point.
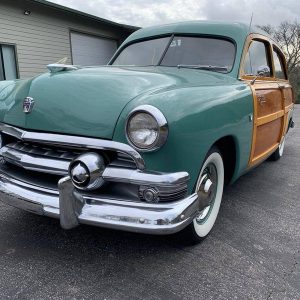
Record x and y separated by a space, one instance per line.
8 64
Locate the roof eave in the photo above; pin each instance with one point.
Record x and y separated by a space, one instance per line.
85 15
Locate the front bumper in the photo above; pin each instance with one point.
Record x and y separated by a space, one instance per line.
73 207
27 157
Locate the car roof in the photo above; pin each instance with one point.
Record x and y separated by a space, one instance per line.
236 31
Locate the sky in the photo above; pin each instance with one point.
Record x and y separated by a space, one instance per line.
144 13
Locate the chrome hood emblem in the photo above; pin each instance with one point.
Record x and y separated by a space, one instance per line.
28 105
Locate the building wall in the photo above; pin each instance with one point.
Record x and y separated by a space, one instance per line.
43 37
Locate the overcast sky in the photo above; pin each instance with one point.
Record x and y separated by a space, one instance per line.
152 12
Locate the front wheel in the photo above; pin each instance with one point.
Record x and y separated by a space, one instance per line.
209 188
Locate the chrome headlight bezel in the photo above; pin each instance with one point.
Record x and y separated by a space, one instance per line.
162 127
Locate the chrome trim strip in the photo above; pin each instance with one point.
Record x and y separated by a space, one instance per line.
78 208
35 163
145 178
73 141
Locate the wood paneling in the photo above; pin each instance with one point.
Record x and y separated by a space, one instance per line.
269 118
269 101
267 136
288 96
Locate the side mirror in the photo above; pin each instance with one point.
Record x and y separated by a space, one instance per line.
263 71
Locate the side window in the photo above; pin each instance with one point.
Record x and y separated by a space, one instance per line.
8 64
279 66
257 59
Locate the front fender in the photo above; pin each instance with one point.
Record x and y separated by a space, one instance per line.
12 94
197 118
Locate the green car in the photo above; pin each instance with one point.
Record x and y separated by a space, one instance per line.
147 142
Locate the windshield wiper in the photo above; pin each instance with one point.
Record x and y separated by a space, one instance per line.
204 67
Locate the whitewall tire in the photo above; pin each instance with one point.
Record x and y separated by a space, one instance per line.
209 188
279 151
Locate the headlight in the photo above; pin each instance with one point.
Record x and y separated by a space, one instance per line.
146 128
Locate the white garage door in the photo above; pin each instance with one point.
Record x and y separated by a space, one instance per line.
88 50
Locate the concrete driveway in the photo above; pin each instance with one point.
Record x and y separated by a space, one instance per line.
252 253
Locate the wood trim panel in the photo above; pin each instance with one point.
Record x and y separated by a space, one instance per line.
288 108
254 125
269 118
264 155
267 135
271 43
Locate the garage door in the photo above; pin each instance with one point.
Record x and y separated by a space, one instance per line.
88 50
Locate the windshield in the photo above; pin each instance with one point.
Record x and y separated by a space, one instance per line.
208 53
146 53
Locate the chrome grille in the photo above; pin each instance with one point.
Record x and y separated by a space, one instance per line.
122 161
43 151
42 159
53 160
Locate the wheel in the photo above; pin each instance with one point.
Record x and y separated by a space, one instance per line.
209 188
279 151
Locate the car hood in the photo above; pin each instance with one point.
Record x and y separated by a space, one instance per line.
89 101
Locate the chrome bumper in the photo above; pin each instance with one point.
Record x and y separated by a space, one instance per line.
73 207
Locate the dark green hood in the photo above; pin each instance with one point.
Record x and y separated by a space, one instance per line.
89 101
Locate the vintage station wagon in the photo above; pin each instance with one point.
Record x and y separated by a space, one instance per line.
146 143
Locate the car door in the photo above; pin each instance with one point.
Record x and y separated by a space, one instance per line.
257 69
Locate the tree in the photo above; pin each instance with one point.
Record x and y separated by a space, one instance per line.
287 35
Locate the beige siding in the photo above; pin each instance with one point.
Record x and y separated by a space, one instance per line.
43 37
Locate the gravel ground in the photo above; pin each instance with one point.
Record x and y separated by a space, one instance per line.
252 253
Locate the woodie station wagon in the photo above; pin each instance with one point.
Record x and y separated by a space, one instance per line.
146 143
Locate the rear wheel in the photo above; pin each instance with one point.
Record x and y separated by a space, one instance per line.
279 152
209 188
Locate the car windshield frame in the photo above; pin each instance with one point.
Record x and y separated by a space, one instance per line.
164 52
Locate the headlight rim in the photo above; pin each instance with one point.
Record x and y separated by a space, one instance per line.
163 129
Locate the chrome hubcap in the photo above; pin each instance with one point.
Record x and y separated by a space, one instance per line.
207 192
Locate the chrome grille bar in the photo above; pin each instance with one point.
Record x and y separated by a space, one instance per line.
43 151
73 142
35 163
171 181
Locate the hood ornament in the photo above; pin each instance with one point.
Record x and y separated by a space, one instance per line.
28 105
61 65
